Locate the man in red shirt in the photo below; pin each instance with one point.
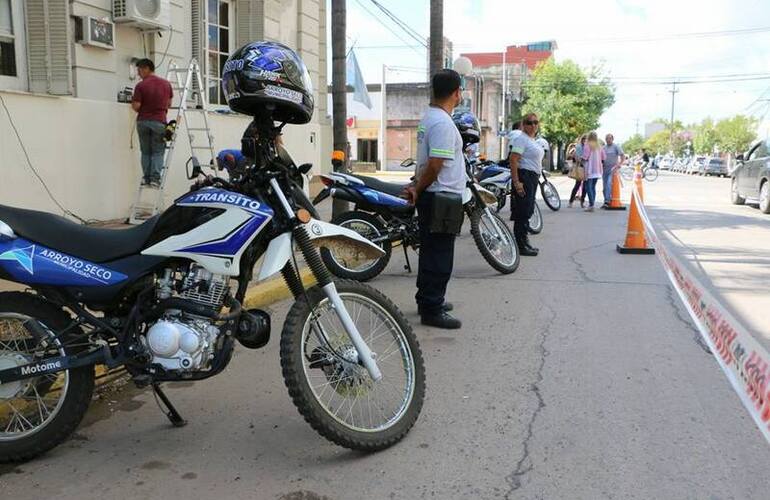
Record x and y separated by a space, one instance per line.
152 98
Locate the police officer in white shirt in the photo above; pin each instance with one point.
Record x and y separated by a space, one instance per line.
440 169
526 164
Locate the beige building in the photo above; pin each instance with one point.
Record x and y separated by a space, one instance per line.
63 63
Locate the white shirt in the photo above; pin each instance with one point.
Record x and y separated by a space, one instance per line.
438 137
531 152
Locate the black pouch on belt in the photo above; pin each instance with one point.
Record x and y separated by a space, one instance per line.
447 213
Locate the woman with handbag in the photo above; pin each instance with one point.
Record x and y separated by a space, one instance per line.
577 172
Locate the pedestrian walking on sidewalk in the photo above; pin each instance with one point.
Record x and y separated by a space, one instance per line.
152 98
613 158
579 184
437 189
526 165
593 156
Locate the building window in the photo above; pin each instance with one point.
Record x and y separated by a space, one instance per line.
367 150
220 38
7 40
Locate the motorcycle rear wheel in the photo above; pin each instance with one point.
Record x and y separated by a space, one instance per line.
331 389
37 414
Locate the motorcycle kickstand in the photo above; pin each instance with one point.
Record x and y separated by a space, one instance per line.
408 266
172 414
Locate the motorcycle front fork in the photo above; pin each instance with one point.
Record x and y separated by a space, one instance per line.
324 279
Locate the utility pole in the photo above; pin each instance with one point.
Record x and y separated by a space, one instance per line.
339 92
637 126
436 49
384 121
671 136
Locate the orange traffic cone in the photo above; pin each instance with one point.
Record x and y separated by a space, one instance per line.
615 203
635 243
638 181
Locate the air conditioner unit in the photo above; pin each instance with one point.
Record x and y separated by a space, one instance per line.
145 14
95 32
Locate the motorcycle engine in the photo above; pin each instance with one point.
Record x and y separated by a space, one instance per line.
181 341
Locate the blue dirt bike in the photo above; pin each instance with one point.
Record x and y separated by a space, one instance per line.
164 301
386 219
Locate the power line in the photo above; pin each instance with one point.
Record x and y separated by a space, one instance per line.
408 29
413 47
673 36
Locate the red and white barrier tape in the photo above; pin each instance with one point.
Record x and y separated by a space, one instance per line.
744 361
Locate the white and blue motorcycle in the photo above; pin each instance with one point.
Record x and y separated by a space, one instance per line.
496 178
164 300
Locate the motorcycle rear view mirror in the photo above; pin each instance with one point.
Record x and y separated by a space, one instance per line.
196 168
305 168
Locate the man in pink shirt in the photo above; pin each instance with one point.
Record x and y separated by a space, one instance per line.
152 98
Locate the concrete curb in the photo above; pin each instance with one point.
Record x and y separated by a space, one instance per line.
273 290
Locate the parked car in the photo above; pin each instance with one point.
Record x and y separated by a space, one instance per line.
665 163
751 178
713 166
695 164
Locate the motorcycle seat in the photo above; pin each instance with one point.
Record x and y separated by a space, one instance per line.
94 244
390 188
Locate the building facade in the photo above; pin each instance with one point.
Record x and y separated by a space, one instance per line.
495 71
64 62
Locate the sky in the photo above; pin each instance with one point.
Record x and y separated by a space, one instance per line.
630 39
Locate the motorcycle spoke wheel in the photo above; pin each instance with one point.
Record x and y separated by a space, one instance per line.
551 196
536 221
328 384
494 240
27 406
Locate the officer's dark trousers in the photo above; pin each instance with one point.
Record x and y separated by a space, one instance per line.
524 206
435 262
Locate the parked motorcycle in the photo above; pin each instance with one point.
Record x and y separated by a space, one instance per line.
496 178
388 220
164 299
493 176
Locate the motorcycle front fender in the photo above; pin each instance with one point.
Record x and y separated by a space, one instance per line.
486 196
322 234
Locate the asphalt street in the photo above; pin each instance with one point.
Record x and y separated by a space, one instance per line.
727 245
578 377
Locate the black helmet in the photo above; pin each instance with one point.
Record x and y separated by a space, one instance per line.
268 78
468 126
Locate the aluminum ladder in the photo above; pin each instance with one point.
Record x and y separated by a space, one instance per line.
187 84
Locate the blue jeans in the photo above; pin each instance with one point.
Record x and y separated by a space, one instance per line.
590 187
153 148
607 185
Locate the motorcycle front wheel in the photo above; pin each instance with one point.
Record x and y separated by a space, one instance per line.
346 265
536 221
550 196
330 387
494 240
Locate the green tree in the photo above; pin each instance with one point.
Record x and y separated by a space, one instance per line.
568 99
660 142
735 135
633 144
705 137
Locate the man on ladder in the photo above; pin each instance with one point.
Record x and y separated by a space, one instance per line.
152 99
